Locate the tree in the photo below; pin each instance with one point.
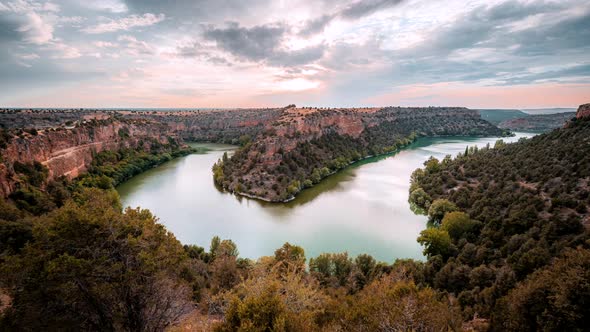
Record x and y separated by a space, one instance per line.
420 198
432 165
91 267
226 248
290 257
457 224
439 208
215 241
436 242
270 300
392 305
552 299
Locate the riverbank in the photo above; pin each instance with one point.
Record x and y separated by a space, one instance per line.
303 185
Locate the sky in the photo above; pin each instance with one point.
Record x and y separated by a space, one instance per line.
328 53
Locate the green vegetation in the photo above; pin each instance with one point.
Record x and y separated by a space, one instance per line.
300 159
538 122
508 242
90 265
497 116
302 167
5 138
509 236
36 196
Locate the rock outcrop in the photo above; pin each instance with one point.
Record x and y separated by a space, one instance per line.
68 152
583 111
538 123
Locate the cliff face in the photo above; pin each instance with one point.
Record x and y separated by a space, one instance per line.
304 143
287 144
65 140
68 152
223 126
541 122
583 111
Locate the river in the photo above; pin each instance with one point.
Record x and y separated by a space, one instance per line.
362 209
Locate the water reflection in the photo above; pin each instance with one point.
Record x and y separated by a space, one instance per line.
363 209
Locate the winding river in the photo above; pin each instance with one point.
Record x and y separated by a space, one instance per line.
363 209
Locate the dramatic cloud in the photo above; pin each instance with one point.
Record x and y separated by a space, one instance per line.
261 43
255 43
224 53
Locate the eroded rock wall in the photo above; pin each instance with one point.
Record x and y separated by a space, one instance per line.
68 152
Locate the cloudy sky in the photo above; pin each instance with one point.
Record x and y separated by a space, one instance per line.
237 53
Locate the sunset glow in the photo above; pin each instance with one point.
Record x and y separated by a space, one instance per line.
117 53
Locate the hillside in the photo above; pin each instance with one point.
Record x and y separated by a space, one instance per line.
305 145
538 122
506 222
65 140
495 116
68 151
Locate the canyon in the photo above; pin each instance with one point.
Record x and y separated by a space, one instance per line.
274 140
307 144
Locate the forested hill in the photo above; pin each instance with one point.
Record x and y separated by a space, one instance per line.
538 122
307 144
509 233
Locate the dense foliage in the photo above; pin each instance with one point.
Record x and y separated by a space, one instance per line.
508 242
302 167
300 159
88 266
504 222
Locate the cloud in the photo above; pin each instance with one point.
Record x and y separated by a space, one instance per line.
349 50
63 51
113 6
36 30
254 43
210 11
9 29
29 56
316 25
353 11
125 23
26 21
104 44
261 43
24 6
135 47
366 7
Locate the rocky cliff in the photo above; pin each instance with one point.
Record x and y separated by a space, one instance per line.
65 140
223 126
287 146
305 144
538 123
68 152
583 111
